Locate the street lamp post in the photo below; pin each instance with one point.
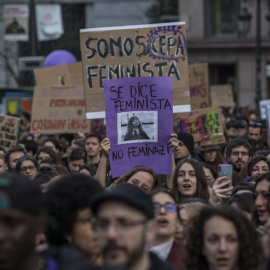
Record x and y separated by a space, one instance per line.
244 26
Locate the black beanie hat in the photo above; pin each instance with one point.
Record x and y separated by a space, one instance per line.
128 194
187 140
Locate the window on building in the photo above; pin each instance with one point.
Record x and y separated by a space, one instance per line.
221 17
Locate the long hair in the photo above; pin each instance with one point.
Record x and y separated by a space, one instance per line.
250 251
263 177
125 177
201 188
130 125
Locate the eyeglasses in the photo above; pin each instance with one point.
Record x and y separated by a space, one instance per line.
169 207
30 168
119 225
255 124
236 153
88 221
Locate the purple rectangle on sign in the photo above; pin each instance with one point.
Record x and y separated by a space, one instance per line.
139 121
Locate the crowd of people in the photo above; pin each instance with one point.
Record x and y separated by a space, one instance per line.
60 207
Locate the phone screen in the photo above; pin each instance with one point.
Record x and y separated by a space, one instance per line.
226 170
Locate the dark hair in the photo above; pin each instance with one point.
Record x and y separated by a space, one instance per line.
24 158
243 186
54 141
209 167
77 154
124 178
30 145
237 143
48 160
12 150
244 202
92 169
64 199
80 142
48 150
246 170
45 174
162 190
261 178
94 135
256 125
250 251
201 188
67 136
265 152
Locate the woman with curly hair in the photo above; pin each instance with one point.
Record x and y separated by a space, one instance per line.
222 238
256 166
189 181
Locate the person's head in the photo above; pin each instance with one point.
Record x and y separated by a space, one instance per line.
166 216
53 143
243 202
87 169
241 127
3 167
140 176
12 156
243 187
30 146
238 152
66 138
21 208
210 173
189 181
185 146
76 159
187 211
209 152
68 204
134 122
124 224
257 166
261 196
254 132
265 153
222 238
46 152
80 142
27 166
92 145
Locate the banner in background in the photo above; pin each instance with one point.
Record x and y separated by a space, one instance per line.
16 22
222 95
199 86
139 115
49 21
134 51
9 127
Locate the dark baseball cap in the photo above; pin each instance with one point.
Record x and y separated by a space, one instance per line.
127 194
18 192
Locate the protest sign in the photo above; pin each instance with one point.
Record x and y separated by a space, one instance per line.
267 112
203 124
9 127
198 83
16 22
139 115
263 105
222 95
134 51
58 101
59 109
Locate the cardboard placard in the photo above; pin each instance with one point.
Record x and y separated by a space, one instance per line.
59 109
222 95
139 134
9 127
134 51
263 107
199 86
58 100
203 124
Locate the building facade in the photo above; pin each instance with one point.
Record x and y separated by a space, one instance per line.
213 36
